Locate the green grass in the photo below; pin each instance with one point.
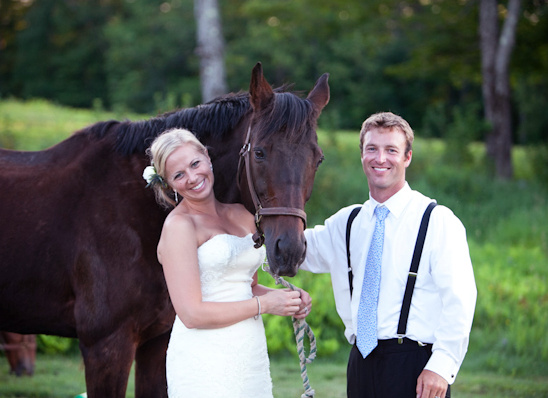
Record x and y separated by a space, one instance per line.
488 385
38 124
327 377
55 376
59 376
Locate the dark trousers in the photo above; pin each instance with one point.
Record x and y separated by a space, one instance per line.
390 371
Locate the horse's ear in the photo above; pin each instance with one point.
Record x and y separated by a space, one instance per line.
319 96
260 92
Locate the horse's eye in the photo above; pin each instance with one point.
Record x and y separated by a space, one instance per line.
320 161
259 154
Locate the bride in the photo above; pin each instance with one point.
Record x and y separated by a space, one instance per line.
217 346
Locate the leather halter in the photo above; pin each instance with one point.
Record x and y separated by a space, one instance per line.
258 236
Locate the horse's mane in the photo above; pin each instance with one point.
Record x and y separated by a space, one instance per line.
214 119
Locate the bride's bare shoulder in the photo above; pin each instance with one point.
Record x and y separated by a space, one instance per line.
179 223
239 214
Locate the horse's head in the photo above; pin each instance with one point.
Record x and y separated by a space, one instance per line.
281 155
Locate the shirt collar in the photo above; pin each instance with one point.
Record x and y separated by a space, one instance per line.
395 204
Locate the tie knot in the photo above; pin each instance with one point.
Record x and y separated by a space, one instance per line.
381 212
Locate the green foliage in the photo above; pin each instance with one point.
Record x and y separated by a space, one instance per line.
460 126
529 78
539 156
150 61
324 322
479 201
339 180
512 302
532 95
56 345
59 52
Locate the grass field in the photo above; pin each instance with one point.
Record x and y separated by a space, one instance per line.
61 376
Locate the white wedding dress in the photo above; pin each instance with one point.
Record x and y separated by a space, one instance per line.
229 362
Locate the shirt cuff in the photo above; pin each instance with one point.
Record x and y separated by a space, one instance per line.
443 365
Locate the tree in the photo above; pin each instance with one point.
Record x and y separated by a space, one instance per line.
11 16
496 51
150 60
210 49
59 52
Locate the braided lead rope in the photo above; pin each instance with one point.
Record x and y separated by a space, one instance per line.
300 326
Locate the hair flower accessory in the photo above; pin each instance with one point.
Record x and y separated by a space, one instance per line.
152 177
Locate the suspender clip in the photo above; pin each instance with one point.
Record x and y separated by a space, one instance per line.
400 338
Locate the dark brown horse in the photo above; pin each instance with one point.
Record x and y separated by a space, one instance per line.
79 230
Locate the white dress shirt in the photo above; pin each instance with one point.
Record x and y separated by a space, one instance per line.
444 298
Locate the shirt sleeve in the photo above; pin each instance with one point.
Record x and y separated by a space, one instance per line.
326 253
318 254
452 273
326 244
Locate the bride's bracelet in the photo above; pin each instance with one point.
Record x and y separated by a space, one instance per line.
259 303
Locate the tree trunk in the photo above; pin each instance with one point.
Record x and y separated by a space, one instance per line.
495 60
210 49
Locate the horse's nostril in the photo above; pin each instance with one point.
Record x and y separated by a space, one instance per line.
282 250
288 255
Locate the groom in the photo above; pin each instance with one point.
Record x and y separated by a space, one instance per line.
417 356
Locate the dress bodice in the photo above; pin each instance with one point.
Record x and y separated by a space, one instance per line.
227 264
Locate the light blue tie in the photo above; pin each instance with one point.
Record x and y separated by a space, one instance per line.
367 311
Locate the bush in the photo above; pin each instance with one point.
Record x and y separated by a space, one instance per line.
324 321
56 345
340 180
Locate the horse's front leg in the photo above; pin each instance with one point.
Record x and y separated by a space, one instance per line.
107 365
150 368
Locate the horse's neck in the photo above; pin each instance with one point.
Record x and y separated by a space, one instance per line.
224 156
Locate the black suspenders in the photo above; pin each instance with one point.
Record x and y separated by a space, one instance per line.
351 218
412 277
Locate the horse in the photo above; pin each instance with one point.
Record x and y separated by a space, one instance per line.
20 351
79 229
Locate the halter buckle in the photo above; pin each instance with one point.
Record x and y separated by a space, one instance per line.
245 149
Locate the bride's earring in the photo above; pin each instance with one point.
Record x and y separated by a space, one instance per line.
176 197
211 166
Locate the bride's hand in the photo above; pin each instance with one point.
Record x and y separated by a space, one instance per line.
306 305
282 302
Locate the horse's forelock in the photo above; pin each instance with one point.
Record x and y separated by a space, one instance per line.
290 114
